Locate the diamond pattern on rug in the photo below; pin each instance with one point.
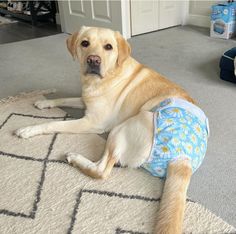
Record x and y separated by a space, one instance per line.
19 191
15 121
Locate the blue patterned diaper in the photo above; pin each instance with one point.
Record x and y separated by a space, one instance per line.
180 131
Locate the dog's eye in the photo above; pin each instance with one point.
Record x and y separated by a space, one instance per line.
85 43
108 47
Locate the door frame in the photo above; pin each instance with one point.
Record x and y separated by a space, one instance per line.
62 17
126 18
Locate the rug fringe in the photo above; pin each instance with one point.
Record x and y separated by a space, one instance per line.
11 99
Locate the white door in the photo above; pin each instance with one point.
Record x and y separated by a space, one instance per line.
144 16
99 13
170 13
151 15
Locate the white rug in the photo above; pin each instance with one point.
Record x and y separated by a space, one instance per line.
41 193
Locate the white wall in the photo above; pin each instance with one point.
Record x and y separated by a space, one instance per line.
199 12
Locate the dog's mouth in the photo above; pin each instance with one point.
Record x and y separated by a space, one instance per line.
95 71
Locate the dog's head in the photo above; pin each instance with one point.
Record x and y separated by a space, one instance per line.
99 50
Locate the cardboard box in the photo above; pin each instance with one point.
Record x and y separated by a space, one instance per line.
223 20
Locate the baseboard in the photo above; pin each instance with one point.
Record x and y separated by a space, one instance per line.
199 20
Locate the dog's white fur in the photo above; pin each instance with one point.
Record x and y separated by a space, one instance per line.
119 100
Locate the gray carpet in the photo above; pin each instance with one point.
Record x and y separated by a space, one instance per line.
186 55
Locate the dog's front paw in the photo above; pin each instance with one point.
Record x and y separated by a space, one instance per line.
71 158
44 104
27 132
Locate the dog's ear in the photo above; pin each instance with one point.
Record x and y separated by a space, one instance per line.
124 49
72 43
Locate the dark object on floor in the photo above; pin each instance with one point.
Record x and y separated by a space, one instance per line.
32 11
227 65
24 31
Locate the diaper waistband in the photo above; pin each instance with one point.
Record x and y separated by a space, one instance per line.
181 103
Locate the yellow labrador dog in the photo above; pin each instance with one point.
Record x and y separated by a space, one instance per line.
119 95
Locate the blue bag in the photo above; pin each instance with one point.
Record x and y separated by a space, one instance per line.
227 65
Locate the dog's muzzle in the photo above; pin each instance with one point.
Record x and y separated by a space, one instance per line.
93 65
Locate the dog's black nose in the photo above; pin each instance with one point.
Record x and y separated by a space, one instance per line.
93 60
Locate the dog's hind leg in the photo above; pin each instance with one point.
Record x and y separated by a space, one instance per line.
98 170
172 206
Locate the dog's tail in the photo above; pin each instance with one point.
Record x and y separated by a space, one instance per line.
172 206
